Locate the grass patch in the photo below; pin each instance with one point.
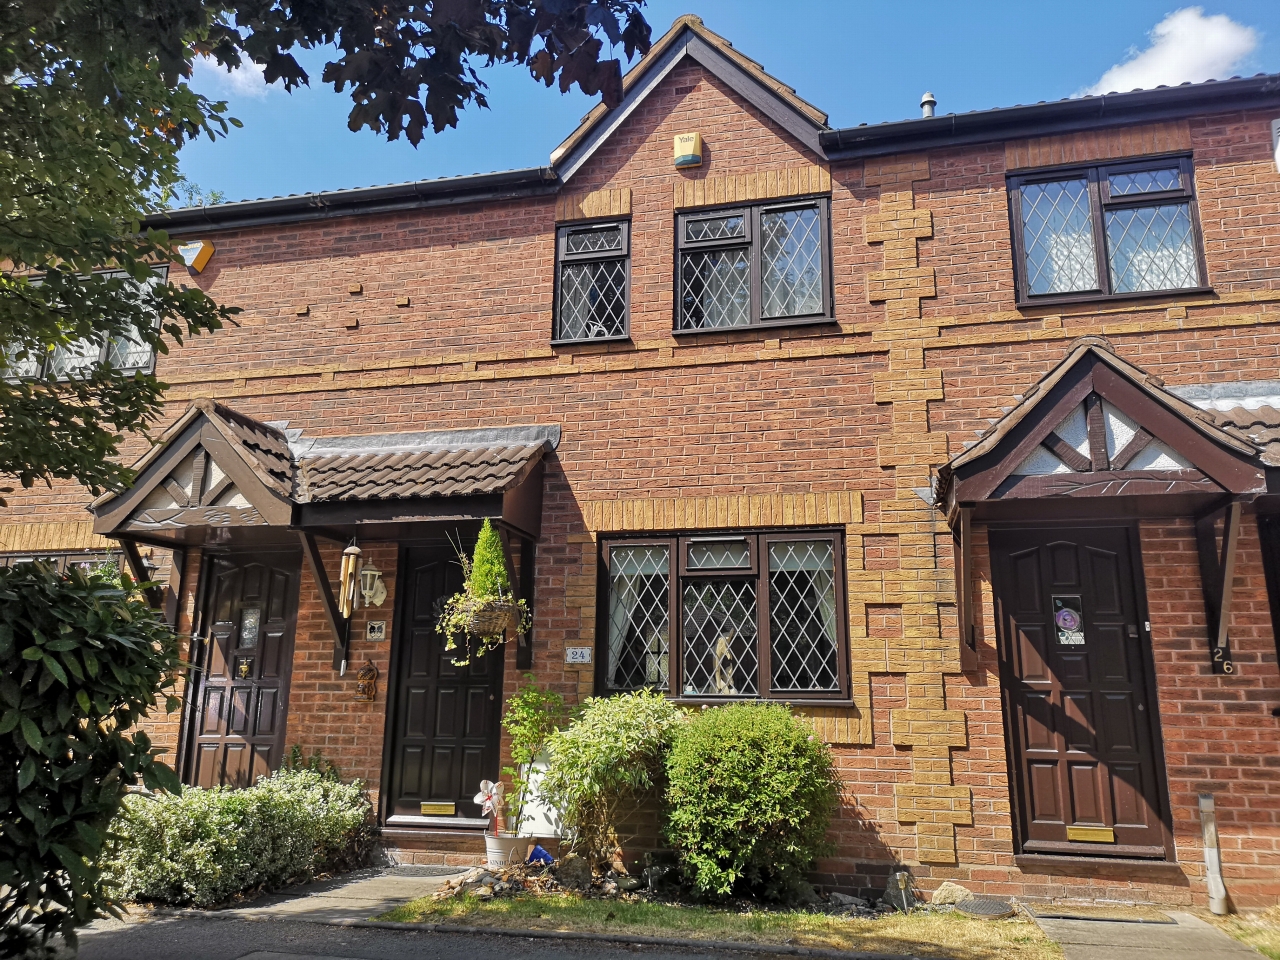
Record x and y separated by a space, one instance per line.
950 935
1258 930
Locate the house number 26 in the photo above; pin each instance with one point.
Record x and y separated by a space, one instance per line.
1221 662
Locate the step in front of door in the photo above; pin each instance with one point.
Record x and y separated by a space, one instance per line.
435 846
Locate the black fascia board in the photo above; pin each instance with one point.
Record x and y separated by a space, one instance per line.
396 197
1044 119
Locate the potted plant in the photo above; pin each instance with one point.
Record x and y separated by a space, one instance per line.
499 846
479 618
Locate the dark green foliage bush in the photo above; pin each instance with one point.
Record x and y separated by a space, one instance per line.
750 793
207 846
604 762
82 658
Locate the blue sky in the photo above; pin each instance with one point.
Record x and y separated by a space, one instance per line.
861 62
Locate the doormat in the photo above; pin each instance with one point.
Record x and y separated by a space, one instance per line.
1116 913
988 908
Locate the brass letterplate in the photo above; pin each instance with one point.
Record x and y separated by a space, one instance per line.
439 809
1089 834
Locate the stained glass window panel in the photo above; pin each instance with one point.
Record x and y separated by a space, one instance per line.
593 300
802 617
715 289
791 262
719 555
1151 248
716 228
720 635
74 359
594 241
1145 181
1057 233
639 642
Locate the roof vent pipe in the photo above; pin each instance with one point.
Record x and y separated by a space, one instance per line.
927 103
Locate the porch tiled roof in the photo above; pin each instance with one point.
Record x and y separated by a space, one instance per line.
425 473
264 446
1260 426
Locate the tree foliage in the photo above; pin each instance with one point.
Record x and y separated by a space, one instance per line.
94 106
81 659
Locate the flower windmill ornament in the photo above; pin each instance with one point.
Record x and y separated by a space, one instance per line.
490 800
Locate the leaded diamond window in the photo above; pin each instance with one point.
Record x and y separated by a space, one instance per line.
592 288
700 617
1119 229
639 645
802 616
763 264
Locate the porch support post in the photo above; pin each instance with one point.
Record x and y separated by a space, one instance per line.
1217 577
330 603
964 591
138 570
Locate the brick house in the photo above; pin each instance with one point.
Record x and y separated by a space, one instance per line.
959 434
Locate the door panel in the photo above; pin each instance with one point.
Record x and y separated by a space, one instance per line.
242 683
1075 686
444 717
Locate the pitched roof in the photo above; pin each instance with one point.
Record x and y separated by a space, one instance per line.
428 473
1259 425
689 37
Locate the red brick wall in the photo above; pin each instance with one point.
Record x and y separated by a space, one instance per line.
778 411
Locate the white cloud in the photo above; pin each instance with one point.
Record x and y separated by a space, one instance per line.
244 81
1185 46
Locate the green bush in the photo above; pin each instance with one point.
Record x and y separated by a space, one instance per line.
207 846
750 793
604 761
489 565
82 659
530 717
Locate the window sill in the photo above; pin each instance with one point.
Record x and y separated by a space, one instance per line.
762 325
1067 299
625 338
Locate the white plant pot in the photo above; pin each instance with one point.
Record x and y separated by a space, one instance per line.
503 851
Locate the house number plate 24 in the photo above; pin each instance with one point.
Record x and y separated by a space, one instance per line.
577 654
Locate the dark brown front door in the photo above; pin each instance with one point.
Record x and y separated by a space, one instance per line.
243 668
444 718
1087 769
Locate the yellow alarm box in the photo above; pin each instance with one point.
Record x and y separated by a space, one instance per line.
688 150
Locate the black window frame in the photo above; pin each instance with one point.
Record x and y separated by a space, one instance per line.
104 350
759 541
563 257
753 242
1100 202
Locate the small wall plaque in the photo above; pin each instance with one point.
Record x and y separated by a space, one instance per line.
439 809
688 150
375 631
577 654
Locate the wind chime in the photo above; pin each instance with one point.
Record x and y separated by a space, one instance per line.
348 597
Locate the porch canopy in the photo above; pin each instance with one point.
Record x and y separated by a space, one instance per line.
1100 438
219 477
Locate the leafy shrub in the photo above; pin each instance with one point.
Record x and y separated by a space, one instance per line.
750 792
605 759
208 846
489 565
82 658
532 715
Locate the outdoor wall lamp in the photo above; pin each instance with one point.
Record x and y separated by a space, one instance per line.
371 585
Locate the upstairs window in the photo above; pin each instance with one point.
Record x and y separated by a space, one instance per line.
129 353
753 266
593 263
1106 231
738 616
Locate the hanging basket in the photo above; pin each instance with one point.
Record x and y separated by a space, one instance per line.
493 618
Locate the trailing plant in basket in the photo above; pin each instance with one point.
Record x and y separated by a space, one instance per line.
478 619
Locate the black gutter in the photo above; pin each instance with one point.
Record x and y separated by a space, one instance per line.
396 197
1043 119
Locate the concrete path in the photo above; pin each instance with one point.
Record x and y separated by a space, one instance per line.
359 896
1191 939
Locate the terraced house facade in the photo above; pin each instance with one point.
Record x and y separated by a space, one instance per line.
958 434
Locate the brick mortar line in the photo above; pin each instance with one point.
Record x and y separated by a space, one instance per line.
185 387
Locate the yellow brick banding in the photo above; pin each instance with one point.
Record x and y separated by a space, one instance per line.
51 536
744 187
589 206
